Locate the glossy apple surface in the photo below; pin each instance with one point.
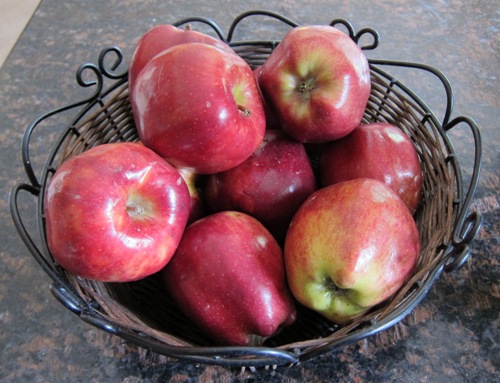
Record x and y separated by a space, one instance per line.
270 185
161 37
228 277
272 121
318 82
349 247
115 213
199 107
378 150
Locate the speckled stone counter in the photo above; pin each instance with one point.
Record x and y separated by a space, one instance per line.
452 336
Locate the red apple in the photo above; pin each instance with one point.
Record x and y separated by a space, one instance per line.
318 82
162 37
272 121
115 213
197 207
228 277
378 150
270 185
349 247
198 106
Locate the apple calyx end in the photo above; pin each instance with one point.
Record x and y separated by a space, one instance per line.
305 88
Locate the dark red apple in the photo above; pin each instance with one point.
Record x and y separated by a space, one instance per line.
378 150
115 213
318 82
350 246
198 106
270 185
228 277
162 37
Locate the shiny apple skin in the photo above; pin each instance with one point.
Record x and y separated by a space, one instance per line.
317 80
161 37
377 150
228 277
199 107
272 120
349 247
270 185
115 213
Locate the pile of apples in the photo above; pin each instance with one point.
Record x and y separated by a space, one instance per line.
221 197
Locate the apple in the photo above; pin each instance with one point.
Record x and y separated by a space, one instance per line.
228 277
198 106
115 213
197 208
350 246
164 36
270 185
272 121
377 150
318 82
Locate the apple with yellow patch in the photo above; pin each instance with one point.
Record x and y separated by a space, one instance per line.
350 246
317 82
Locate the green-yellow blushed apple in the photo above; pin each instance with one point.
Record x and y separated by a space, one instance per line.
350 246
317 80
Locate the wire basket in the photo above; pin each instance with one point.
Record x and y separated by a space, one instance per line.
140 312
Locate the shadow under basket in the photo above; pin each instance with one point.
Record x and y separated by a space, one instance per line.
141 313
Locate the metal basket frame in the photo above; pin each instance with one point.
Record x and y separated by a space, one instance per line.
453 251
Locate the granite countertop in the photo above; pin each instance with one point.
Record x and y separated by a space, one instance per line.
452 335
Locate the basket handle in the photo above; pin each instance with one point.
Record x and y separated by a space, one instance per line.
374 63
71 299
224 356
273 15
229 356
21 228
110 59
468 223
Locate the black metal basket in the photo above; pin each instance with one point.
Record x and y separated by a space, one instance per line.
141 314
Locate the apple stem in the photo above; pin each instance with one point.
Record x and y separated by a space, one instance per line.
245 111
187 27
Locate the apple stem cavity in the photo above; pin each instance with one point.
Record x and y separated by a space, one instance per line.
135 210
246 112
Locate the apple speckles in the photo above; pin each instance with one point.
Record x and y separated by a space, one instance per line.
380 193
395 135
261 241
